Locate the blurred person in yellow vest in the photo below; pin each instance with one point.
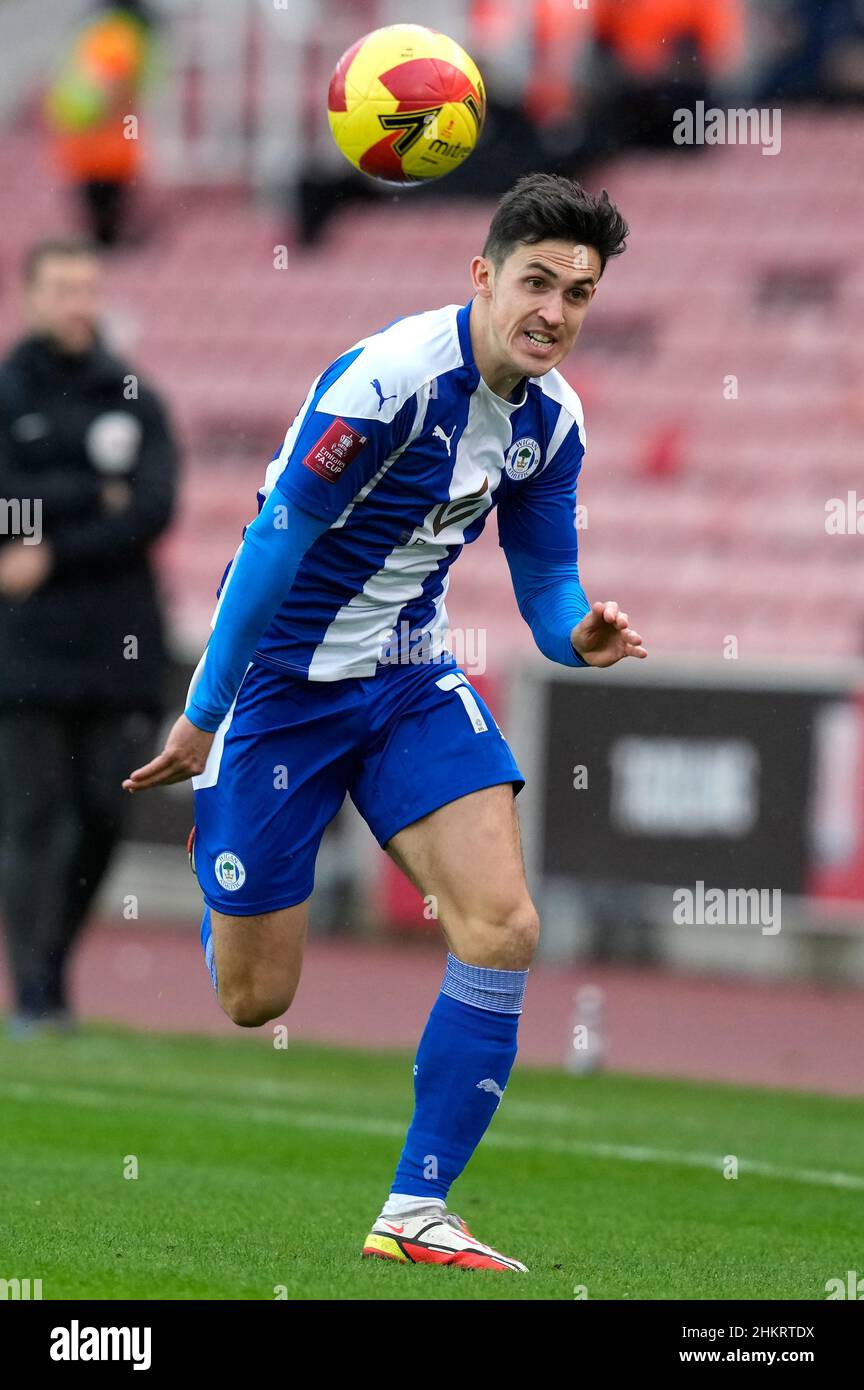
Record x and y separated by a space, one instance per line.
91 108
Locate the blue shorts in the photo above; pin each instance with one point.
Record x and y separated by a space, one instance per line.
401 743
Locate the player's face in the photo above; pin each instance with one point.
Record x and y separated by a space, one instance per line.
63 300
538 298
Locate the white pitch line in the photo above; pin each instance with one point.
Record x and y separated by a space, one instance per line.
630 1153
286 1090
354 1124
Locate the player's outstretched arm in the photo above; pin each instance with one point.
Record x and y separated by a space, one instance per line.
605 636
551 600
566 627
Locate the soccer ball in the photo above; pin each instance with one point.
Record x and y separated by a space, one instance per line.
406 104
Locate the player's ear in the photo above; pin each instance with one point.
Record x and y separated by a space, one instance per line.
482 276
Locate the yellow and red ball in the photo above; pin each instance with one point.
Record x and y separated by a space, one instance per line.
406 104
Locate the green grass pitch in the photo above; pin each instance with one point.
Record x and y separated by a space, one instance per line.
261 1170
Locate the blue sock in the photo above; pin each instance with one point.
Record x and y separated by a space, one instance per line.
462 1066
207 943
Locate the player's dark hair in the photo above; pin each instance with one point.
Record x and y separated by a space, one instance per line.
53 246
544 207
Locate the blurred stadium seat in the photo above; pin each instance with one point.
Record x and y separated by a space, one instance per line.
236 351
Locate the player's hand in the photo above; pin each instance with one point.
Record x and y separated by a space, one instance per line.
605 636
183 756
23 569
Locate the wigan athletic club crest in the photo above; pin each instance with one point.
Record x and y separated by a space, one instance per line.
522 459
230 871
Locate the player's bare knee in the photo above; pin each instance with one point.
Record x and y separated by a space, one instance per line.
504 940
249 1009
520 934
252 1013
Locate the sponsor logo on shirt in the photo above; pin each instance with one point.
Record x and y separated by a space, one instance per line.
460 509
336 449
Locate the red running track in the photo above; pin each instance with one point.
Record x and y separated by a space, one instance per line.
378 996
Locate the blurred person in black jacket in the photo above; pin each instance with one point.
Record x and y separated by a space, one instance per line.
87 482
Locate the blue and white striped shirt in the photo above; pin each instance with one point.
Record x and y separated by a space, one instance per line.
400 451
